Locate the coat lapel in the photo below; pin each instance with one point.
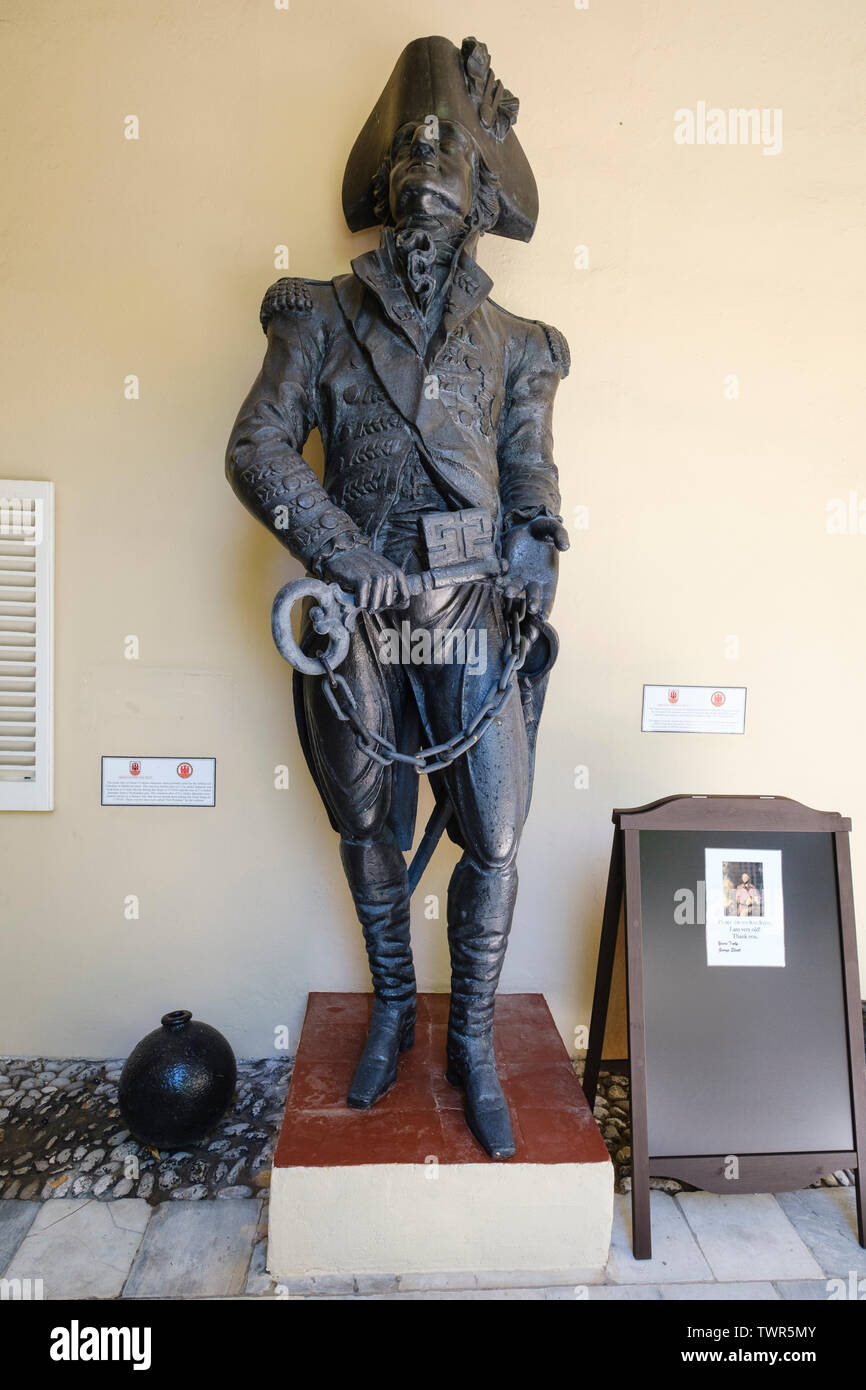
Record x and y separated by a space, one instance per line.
398 365
377 308
470 286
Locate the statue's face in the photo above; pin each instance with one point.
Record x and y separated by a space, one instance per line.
432 177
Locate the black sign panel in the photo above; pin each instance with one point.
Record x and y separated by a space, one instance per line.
744 1059
745 1076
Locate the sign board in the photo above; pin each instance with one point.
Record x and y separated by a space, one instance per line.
745 1028
693 709
132 781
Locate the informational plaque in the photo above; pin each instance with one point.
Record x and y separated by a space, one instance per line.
158 781
694 709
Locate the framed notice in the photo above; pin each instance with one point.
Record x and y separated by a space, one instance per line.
693 709
743 997
131 781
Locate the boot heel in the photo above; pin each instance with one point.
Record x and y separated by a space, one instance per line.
407 1037
453 1077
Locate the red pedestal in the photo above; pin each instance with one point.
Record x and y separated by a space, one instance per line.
422 1115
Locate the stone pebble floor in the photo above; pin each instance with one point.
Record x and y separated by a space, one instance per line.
61 1135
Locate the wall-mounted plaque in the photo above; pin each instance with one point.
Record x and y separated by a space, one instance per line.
693 709
131 781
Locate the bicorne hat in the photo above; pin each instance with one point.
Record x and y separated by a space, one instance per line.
434 78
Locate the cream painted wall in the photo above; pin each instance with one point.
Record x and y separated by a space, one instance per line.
707 515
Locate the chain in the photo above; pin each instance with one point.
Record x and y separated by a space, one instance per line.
440 755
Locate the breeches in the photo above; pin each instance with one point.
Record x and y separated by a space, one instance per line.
488 785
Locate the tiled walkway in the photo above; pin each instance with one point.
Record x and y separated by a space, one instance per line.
800 1245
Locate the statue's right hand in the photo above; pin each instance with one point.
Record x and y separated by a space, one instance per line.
374 580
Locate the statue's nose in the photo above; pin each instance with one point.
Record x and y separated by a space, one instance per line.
422 145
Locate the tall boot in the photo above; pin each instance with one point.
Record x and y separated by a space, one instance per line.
480 908
377 878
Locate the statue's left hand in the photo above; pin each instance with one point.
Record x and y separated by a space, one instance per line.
532 552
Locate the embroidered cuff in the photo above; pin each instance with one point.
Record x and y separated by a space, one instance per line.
519 516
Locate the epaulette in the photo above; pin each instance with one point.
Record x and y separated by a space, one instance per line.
558 348
289 295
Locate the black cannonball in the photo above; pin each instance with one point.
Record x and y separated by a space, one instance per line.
177 1082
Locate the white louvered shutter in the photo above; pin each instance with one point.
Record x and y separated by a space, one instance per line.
26 645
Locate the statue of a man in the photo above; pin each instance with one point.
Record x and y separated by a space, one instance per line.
434 407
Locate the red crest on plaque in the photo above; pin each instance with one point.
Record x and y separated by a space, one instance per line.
184 769
673 696
717 698
135 767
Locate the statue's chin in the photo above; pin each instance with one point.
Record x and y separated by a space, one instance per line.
423 205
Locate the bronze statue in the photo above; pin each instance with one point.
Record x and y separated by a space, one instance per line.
437 525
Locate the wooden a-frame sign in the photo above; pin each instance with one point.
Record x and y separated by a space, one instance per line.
771 1054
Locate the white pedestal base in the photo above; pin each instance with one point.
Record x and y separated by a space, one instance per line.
405 1218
